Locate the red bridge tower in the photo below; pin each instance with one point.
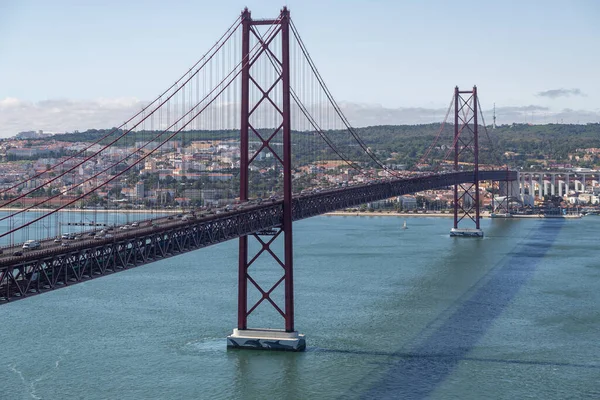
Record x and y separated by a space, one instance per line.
275 95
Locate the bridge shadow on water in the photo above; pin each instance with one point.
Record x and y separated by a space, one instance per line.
418 371
403 357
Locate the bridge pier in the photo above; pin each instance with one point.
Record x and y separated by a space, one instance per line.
244 337
266 339
501 202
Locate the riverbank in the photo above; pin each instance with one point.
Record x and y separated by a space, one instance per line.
386 214
484 214
78 210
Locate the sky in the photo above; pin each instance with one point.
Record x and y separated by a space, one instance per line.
72 64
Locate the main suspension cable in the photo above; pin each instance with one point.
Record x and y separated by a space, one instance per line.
227 33
336 107
241 63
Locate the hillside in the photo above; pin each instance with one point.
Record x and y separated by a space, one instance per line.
406 143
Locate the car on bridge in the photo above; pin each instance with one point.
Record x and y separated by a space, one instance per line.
31 245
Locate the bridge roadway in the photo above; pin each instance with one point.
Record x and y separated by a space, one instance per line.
54 265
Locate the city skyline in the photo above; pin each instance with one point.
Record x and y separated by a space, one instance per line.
86 66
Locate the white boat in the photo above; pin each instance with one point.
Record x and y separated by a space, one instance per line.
404 225
500 215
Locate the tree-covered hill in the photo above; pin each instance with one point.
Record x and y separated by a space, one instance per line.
407 143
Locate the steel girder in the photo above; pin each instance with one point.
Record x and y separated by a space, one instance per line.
320 203
61 267
41 271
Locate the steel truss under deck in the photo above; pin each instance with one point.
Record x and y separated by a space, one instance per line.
45 270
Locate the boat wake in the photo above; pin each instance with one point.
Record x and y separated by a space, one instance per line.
31 386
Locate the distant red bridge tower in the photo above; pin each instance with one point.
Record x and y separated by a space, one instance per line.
466 152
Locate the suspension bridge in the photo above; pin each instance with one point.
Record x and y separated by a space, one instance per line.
251 126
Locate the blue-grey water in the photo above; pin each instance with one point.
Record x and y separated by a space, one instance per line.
388 313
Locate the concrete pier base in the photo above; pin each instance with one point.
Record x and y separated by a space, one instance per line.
266 339
465 232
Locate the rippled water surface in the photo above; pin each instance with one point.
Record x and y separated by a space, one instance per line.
388 313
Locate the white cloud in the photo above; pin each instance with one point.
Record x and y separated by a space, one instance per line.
60 115
9 102
556 93
365 115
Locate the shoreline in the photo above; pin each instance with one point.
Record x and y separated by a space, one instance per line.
386 214
485 214
78 210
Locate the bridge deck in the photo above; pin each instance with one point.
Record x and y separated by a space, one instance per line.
54 265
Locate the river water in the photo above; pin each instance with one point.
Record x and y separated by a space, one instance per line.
388 313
